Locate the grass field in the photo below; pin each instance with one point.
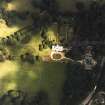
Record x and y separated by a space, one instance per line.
47 76
5 30
32 78
44 76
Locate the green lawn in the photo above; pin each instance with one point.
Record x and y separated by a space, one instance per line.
41 76
48 76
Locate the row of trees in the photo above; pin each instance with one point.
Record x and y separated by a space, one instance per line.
13 17
21 36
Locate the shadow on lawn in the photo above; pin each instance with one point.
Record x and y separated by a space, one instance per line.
47 77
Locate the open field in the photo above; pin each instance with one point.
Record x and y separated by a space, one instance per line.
23 76
31 78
